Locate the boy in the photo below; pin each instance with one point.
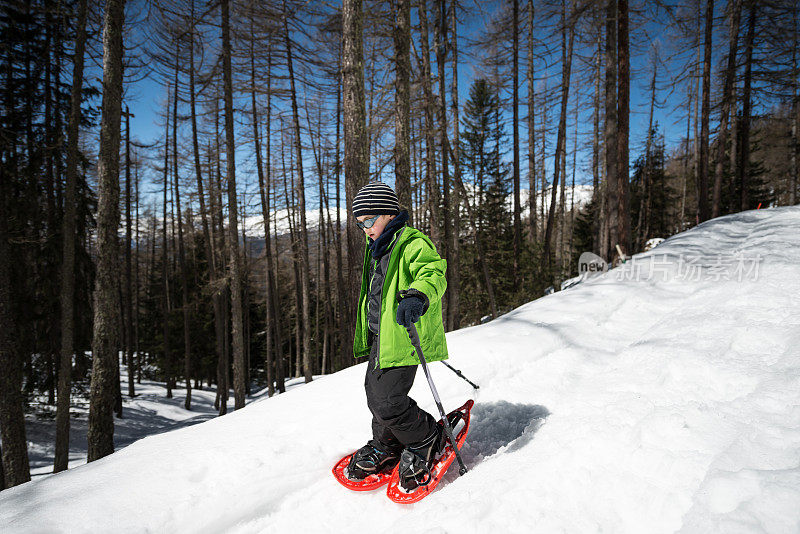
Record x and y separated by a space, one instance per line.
402 283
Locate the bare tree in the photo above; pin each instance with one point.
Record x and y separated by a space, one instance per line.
233 217
128 309
106 298
560 172
187 338
623 112
440 39
597 195
61 461
611 127
166 308
744 134
16 469
454 281
702 201
356 155
532 232
305 275
727 100
402 62
515 136
795 44
428 107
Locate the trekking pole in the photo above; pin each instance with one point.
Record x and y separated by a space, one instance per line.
412 333
456 371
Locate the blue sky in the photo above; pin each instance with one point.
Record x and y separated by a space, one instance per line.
149 95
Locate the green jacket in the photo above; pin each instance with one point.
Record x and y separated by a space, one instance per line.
413 263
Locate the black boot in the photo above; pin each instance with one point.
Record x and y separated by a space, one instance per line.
374 457
416 461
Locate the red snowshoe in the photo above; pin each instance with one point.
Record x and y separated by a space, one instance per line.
395 491
368 483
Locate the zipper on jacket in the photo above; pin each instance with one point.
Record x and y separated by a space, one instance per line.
395 239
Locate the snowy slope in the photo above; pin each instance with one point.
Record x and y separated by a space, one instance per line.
659 397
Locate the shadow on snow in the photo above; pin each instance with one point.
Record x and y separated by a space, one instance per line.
497 428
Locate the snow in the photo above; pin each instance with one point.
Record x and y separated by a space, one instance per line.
658 397
148 413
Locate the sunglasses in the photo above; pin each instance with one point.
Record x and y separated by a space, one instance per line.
367 223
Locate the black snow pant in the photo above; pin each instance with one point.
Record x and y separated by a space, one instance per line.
397 421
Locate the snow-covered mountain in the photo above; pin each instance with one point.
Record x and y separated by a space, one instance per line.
579 196
661 396
279 221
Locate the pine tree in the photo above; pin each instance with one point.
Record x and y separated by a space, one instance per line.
481 163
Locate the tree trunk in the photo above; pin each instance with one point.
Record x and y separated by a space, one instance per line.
138 368
298 304
264 188
440 37
611 128
208 233
187 336
572 189
342 300
168 367
689 104
543 159
233 242
245 300
454 280
430 144
106 299
697 99
702 201
644 198
793 179
402 105
305 274
532 232
727 98
356 155
128 268
16 469
515 136
49 179
280 363
744 148
566 56
323 264
68 266
623 112
219 295
596 193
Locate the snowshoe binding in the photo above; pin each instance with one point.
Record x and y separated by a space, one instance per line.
368 468
421 468
372 458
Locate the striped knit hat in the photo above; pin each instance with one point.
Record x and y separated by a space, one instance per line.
376 198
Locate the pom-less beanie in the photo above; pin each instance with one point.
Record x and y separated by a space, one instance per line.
376 198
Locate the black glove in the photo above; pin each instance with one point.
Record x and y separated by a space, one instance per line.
413 304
